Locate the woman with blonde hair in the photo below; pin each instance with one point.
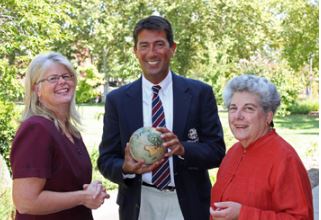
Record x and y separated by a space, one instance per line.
50 164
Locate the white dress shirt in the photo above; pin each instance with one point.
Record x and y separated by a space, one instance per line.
166 96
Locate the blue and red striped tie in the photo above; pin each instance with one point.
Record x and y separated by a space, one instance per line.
161 175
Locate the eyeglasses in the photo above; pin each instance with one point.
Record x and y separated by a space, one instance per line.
55 78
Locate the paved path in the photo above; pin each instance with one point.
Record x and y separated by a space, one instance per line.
109 210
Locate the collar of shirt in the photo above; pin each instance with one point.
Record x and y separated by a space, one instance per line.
165 94
147 87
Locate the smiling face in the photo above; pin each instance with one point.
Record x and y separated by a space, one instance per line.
154 54
56 95
246 117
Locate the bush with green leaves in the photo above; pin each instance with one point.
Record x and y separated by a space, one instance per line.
304 106
96 174
7 127
88 83
10 91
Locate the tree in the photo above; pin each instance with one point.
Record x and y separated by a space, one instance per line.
10 90
300 32
214 40
24 32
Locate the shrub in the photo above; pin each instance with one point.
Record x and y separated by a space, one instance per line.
304 106
85 92
88 84
96 174
11 90
7 128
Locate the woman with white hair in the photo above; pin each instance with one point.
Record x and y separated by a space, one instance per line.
50 164
261 176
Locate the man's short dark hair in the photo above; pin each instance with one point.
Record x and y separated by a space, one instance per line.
156 23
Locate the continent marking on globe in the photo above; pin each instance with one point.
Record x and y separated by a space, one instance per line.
152 150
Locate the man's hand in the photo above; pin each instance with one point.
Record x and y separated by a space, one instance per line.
131 166
171 142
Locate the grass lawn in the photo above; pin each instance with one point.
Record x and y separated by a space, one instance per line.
301 131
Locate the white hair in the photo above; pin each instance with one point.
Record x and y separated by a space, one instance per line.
264 89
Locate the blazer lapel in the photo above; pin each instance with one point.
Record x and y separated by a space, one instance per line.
181 104
134 103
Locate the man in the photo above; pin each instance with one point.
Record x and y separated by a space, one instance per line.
189 124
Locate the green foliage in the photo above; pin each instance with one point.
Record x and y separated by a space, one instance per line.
11 88
10 91
212 36
186 17
85 92
241 32
312 150
96 174
304 106
7 128
88 84
29 27
213 174
300 31
277 39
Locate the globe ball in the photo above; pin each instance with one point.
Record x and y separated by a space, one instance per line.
146 144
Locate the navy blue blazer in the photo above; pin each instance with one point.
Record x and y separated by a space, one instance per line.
194 109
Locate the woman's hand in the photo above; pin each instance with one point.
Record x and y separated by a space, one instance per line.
95 194
225 211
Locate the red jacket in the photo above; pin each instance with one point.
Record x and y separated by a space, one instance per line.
267 178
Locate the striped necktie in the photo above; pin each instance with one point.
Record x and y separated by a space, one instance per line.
161 175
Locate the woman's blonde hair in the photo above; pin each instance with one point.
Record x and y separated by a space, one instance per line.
33 107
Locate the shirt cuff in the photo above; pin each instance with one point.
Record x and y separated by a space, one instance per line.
129 176
180 157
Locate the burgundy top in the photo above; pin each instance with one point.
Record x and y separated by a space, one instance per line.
41 150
